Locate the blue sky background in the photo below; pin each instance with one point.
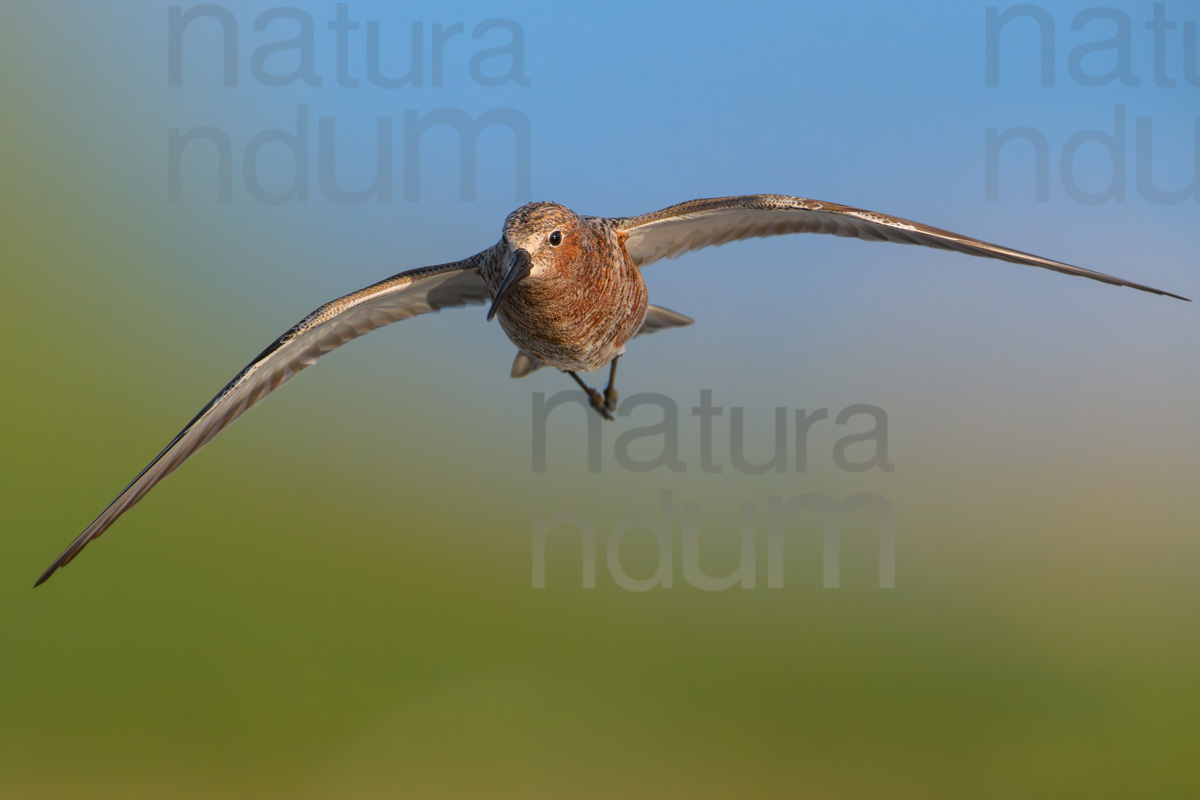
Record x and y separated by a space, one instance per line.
371 523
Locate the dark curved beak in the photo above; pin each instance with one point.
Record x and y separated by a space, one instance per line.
521 264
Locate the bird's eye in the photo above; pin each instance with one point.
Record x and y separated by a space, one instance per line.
556 239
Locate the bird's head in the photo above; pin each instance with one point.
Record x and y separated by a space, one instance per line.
544 240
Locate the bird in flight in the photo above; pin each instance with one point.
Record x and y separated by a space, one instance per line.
567 290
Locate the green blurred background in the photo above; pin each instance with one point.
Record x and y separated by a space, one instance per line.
335 599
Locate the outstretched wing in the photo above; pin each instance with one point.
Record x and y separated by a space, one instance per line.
700 223
418 291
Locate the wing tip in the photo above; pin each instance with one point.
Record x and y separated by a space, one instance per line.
1159 292
50 571
65 558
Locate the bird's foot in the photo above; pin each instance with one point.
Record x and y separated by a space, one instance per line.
610 400
600 403
606 405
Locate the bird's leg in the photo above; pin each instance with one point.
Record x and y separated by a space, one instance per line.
610 393
593 396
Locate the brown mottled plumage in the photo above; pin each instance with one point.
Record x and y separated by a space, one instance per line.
584 298
568 291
